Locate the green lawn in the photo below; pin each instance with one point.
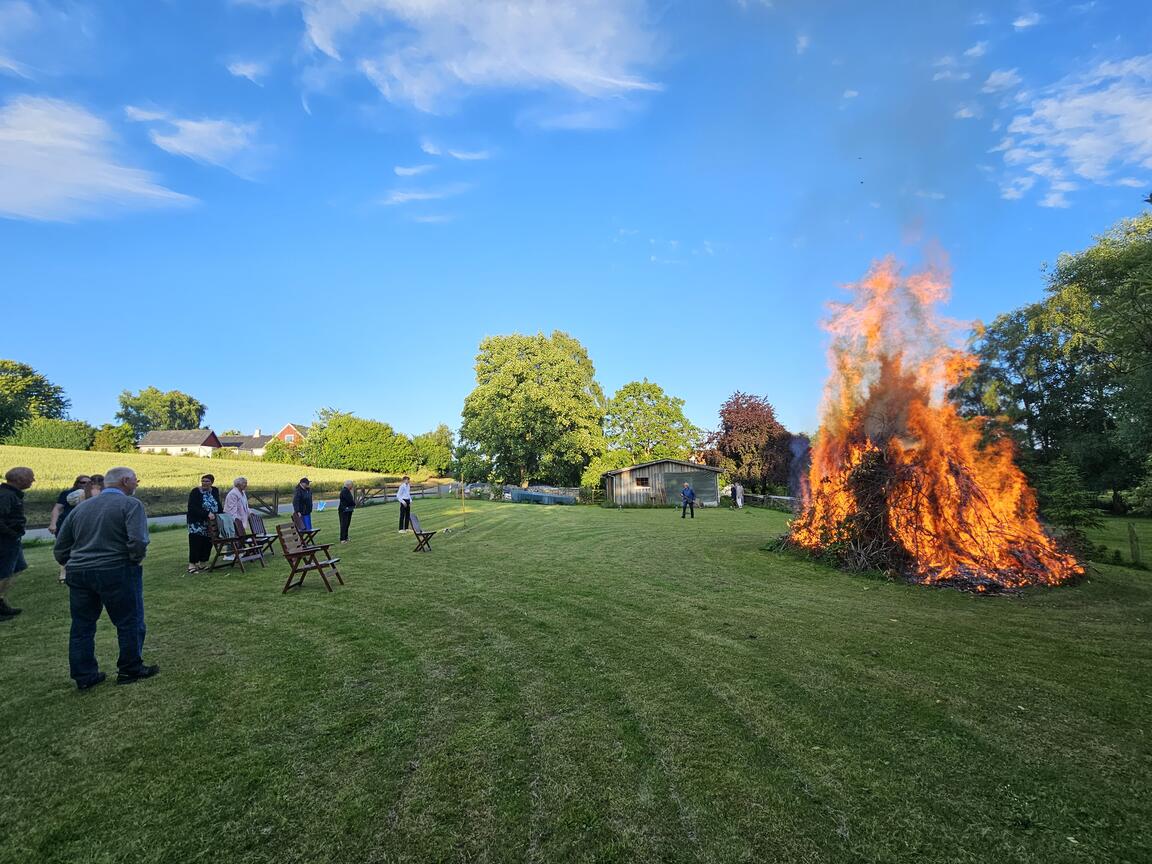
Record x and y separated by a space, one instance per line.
562 684
1114 534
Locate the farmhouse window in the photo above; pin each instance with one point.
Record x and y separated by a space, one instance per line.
289 437
641 481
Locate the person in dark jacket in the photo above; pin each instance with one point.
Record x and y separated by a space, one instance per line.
688 496
347 505
12 522
203 505
302 502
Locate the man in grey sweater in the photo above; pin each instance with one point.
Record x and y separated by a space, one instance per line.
102 545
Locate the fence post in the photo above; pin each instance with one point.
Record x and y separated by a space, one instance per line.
1134 544
276 502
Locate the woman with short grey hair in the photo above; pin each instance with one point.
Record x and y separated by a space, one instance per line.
236 501
347 505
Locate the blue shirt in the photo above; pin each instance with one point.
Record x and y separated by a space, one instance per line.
688 494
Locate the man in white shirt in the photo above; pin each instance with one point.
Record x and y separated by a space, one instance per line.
404 496
236 501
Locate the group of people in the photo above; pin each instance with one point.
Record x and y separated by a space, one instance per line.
101 532
102 537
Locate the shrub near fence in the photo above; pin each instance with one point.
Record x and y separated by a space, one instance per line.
165 480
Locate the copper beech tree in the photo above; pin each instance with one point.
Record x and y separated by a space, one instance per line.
750 444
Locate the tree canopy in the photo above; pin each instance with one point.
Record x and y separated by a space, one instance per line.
536 411
26 394
647 423
434 450
750 445
152 408
115 439
340 440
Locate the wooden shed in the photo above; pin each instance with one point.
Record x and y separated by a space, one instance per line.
660 482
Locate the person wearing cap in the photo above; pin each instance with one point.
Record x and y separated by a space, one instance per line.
302 502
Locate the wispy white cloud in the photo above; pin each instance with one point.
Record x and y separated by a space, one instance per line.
17 22
851 94
977 50
434 149
57 163
250 69
951 75
967 112
428 53
412 170
1001 79
433 219
1094 127
408 196
1030 19
802 43
211 141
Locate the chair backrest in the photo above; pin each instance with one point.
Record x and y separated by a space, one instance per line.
257 523
415 523
289 539
226 526
297 522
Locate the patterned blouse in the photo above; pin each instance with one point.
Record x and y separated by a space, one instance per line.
211 506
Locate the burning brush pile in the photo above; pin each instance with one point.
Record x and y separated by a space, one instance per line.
899 481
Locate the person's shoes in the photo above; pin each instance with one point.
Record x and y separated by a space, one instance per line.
92 682
132 678
7 611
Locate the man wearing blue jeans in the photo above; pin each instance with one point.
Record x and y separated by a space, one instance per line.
102 545
688 497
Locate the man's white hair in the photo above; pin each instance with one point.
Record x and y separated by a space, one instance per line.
114 476
348 484
239 480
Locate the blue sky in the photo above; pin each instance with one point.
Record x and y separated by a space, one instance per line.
280 205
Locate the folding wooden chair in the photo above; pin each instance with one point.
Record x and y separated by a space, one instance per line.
231 545
422 536
260 533
305 558
307 535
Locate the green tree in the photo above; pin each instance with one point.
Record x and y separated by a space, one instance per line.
536 411
1103 298
339 440
51 432
115 439
646 423
609 460
434 450
281 452
152 408
1064 501
26 394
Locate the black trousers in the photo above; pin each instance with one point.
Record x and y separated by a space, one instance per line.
345 521
688 505
405 509
199 548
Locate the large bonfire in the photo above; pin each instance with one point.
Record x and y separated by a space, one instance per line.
899 481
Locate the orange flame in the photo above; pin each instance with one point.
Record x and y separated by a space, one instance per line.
897 475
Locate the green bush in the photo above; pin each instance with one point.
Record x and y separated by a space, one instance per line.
49 432
115 439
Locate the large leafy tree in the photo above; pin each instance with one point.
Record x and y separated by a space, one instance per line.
434 450
153 408
536 411
751 445
26 394
340 440
646 423
1103 299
